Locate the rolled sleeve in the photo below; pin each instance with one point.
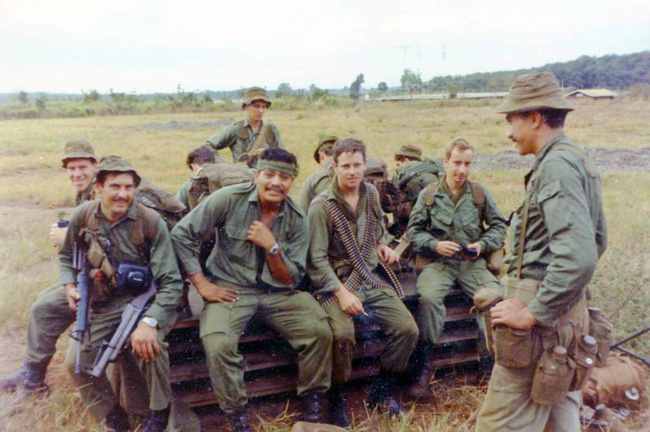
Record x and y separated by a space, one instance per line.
565 211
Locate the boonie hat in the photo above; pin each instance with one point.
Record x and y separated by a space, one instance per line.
325 141
78 149
410 151
256 93
534 91
118 164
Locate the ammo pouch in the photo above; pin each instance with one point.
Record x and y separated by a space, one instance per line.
102 273
515 348
484 299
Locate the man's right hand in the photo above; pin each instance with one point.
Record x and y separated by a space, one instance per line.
349 303
72 295
211 292
57 236
447 248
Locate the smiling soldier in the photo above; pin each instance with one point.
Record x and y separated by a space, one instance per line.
255 268
249 137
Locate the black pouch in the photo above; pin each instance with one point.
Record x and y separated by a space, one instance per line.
513 348
552 377
132 278
601 330
585 359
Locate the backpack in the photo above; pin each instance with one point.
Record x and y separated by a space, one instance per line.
160 200
419 175
213 177
377 175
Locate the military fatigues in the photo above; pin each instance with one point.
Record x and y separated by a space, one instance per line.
98 394
236 262
452 218
564 238
314 184
327 253
50 315
231 136
183 194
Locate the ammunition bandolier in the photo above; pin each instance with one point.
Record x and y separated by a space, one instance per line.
358 257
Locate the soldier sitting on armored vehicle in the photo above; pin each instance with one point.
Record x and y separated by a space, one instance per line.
195 161
318 181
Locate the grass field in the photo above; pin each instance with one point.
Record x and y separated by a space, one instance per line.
33 190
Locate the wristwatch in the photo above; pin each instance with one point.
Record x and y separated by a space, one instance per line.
274 249
151 322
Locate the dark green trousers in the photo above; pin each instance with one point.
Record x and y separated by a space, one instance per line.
436 281
294 314
49 318
393 317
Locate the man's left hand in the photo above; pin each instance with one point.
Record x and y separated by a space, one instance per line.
476 247
260 235
387 255
144 342
512 313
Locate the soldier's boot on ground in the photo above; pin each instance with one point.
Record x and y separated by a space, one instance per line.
117 420
384 395
155 421
420 388
29 379
337 411
313 407
239 420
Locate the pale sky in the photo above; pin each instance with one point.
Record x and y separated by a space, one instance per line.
152 46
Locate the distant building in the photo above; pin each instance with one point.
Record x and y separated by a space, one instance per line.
592 94
405 98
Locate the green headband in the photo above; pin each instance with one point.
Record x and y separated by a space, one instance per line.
287 168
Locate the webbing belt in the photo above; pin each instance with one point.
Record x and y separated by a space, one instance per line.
358 258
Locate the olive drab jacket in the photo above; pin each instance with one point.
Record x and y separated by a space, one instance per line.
314 184
456 219
566 232
235 259
239 137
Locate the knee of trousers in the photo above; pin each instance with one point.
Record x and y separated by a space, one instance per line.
406 330
343 335
219 345
322 333
430 301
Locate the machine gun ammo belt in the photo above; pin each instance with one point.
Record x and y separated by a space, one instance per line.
358 258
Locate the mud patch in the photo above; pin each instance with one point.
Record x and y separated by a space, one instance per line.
177 125
606 159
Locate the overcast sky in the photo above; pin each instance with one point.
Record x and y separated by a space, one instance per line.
152 46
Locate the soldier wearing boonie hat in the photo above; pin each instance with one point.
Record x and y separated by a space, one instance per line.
249 137
559 234
320 180
409 151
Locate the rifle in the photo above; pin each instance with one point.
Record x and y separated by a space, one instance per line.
80 331
617 345
109 351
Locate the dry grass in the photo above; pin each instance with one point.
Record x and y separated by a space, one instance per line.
33 189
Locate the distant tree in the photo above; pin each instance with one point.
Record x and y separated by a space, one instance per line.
382 87
207 99
116 97
318 93
22 97
355 87
283 89
40 101
91 96
411 81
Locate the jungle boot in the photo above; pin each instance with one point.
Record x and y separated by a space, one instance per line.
156 421
384 396
29 379
117 420
239 420
337 411
420 388
313 407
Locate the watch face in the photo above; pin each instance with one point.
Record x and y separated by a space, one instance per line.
150 321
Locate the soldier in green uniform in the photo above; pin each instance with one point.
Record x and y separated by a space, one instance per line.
195 161
558 235
320 180
50 315
438 230
254 270
243 135
348 265
112 223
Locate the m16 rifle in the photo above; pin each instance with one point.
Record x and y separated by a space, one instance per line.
80 331
128 275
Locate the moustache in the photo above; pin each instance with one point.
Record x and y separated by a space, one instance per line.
276 189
